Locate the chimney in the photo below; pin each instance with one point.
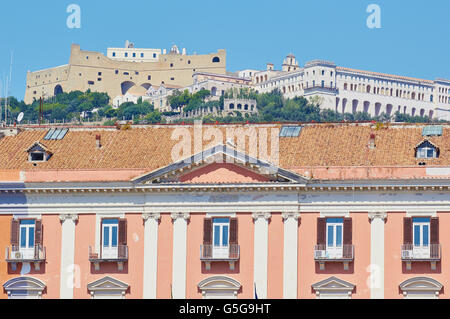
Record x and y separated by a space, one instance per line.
98 140
269 66
372 141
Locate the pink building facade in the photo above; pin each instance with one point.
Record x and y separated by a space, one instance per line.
208 229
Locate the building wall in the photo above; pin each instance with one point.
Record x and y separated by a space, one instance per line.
94 71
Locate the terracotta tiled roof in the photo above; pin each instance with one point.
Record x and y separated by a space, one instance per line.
321 145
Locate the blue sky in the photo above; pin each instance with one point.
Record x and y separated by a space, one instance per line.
413 39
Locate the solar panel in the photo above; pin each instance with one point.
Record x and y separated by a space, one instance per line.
432 130
49 134
56 134
290 131
62 134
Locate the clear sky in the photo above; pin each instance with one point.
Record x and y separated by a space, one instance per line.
413 39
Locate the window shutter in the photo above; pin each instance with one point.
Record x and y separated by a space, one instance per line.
434 230
122 231
207 231
233 231
321 231
407 231
348 231
15 232
38 232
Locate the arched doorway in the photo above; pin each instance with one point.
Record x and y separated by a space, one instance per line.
58 90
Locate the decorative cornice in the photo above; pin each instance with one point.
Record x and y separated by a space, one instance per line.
286 216
64 217
259 215
155 216
185 216
380 215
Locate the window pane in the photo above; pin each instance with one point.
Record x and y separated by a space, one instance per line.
417 235
114 236
339 236
430 153
330 236
110 222
425 235
225 236
106 236
23 237
221 220
31 237
421 220
216 235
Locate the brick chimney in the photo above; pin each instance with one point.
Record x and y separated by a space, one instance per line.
98 139
372 144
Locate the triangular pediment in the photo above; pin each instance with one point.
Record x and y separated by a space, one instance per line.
333 284
242 167
107 283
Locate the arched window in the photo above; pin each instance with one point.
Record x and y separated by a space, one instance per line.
24 288
216 59
421 288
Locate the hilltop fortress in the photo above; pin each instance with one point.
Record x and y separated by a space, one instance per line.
122 70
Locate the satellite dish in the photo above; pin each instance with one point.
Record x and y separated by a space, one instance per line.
20 117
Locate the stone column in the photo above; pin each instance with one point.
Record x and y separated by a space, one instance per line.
261 249
376 268
150 254
180 221
68 268
290 255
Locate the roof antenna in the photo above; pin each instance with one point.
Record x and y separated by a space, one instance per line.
8 88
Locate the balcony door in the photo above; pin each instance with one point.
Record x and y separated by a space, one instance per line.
27 238
335 227
221 235
421 237
110 230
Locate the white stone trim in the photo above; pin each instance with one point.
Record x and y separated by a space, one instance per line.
421 214
261 251
345 214
218 284
376 268
421 286
67 255
216 215
179 262
150 254
290 255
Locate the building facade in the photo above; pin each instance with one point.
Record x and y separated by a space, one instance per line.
116 75
348 90
295 212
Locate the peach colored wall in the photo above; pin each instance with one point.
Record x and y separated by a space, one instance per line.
243 271
9 175
395 270
132 272
275 257
222 173
80 175
309 271
165 256
49 272
363 172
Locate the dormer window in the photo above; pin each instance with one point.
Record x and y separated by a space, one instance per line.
38 153
427 150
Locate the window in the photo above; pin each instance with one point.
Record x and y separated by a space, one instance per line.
134 54
290 131
99 73
24 288
142 55
37 157
116 72
427 150
171 65
114 54
126 54
221 234
91 82
154 55
110 229
149 77
334 237
26 240
216 60
421 234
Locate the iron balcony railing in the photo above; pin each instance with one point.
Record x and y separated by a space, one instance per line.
122 255
207 253
322 253
15 254
431 252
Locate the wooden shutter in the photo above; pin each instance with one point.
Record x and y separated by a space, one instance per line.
233 231
122 231
321 231
15 232
38 232
407 231
348 231
207 231
434 230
